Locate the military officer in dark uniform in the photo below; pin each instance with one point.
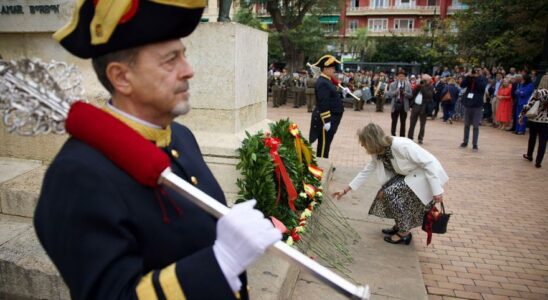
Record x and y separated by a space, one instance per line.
329 106
111 237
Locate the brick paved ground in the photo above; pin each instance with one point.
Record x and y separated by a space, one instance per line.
497 244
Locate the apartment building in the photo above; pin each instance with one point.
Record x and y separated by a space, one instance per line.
387 17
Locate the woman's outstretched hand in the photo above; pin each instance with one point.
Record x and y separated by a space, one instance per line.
438 198
338 195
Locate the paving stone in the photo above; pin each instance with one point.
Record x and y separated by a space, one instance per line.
483 192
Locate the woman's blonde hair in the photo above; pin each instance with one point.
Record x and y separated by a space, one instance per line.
374 140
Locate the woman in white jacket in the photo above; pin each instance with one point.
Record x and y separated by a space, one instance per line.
412 180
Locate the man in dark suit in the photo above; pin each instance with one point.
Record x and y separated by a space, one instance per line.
111 237
473 104
399 92
423 97
329 109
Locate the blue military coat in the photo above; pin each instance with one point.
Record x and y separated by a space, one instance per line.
111 238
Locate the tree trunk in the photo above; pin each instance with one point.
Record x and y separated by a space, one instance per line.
294 58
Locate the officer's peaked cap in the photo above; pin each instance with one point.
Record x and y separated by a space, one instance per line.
99 27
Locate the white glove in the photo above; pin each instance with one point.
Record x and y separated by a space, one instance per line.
345 91
327 126
242 236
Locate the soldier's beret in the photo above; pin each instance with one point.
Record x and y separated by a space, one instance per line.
327 61
99 27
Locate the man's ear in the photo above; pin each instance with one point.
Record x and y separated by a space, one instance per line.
117 74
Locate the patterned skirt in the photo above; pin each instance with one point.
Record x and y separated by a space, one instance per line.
395 200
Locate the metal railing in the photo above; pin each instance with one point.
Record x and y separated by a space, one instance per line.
404 31
393 8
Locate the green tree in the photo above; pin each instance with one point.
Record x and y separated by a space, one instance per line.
297 34
396 49
362 47
505 32
288 19
245 16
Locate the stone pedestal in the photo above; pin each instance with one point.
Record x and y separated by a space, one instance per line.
228 93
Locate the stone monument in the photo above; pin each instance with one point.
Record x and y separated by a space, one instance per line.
228 91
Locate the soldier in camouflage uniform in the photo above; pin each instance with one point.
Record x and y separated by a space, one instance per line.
285 83
380 92
309 92
276 90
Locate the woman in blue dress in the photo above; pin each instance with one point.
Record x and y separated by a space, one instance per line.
523 93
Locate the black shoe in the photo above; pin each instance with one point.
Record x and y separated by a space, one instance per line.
390 231
538 165
403 239
420 142
529 158
475 148
464 145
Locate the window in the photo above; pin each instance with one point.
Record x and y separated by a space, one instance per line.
354 4
329 28
432 2
379 3
378 25
261 8
403 24
405 3
353 25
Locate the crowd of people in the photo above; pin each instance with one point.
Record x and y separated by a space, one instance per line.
478 96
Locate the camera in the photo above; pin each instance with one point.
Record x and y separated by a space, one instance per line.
422 82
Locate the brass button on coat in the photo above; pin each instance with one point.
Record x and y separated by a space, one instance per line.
174 153
194 180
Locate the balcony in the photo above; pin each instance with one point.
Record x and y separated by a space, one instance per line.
392 10
455 8
388 32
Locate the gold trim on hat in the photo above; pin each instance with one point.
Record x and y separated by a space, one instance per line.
105 19
183 3
331 60
70 26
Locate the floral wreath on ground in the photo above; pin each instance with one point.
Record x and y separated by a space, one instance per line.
279 170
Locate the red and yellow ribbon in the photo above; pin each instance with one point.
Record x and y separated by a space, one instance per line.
316 171
310 190
300 146
281 173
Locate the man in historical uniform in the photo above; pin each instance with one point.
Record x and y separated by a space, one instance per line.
111 237
329 106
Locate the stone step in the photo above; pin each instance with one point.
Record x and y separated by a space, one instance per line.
20 182
27 272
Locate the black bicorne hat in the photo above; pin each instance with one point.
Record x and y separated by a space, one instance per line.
99 27
327 61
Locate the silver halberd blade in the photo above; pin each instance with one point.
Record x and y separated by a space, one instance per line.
35 96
